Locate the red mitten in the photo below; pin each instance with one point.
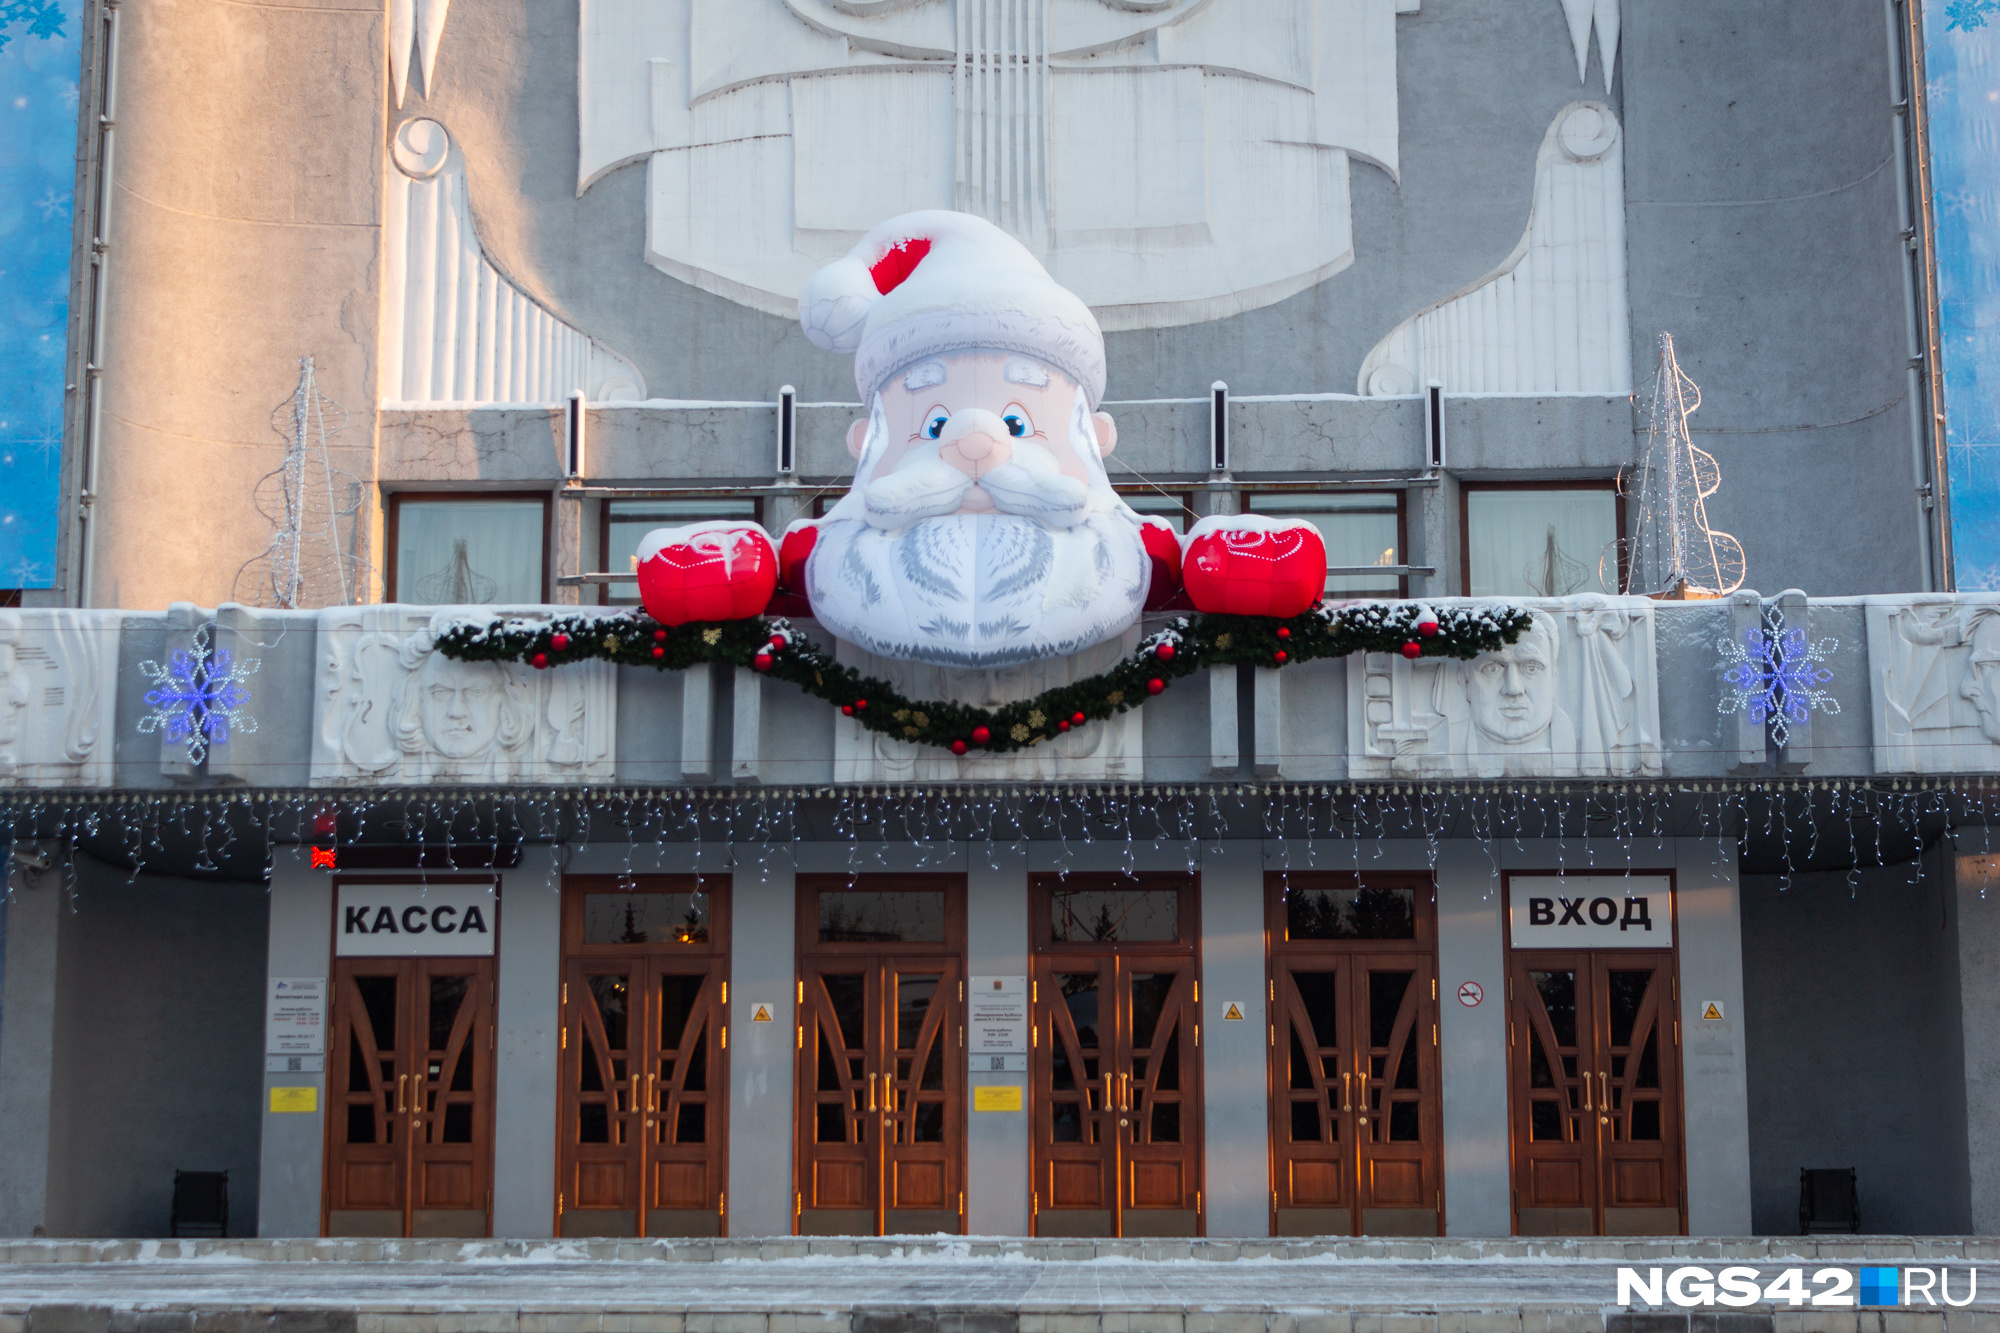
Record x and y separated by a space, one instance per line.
793 548
1163 547
706 571
1250 565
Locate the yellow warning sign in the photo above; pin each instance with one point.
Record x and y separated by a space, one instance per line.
1711 1012
294 1099
996 1098
761 1014
1233 1013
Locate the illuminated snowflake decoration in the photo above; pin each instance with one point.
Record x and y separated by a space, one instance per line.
197 697
1777 676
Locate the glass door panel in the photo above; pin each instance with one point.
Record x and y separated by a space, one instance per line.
1115 1069
1356 1126
881 1065
644 1120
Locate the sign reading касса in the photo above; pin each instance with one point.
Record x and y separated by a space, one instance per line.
405 920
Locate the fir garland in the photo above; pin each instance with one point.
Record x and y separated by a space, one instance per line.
1188 645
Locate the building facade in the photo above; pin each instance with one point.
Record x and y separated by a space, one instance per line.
440 309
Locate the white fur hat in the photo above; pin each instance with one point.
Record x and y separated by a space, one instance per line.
928 283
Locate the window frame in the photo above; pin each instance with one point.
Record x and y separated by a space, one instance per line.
1465 489
1185 498
392 530
1247 496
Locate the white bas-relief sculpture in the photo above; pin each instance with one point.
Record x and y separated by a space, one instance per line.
389 709
1171 161
1111 750
1579 14
58 702
454 328
1935 663
1576 696
1553 317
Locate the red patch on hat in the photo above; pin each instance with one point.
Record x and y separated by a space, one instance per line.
901 261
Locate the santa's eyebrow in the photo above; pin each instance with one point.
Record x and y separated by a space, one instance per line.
1019 371
924 374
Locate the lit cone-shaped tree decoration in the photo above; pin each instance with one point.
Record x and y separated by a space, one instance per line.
1672 551
308 501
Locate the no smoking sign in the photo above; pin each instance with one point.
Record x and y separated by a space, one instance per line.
1470 994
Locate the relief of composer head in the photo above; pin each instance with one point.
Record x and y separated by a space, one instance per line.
1511 694
468 718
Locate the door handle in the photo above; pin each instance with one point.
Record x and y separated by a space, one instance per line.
402 1093
1586 1092
1603 1093
652 1092
1347 1089
871 1091
1125 1101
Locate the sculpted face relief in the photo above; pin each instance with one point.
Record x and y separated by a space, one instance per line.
1513 691
461 706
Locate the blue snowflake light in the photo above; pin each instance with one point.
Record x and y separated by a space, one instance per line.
1777 676
198 696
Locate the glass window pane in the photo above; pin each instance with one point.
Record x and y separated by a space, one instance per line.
1169 505
645 918
1538 543
1080 916
626 523
1358 528
892 917
450 552
1360 913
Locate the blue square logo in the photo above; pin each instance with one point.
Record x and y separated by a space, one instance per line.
1881 1286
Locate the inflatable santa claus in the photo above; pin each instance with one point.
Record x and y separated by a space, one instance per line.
981 530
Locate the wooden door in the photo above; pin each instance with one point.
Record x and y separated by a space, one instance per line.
881 1055
643 1115
1115 1071
1594 1061
1356 1124
410 1098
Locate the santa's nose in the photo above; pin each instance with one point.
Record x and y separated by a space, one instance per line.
975 442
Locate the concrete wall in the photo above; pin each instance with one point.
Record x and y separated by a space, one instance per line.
1761 230
1851 1016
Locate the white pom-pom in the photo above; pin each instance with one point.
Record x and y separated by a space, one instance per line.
833 307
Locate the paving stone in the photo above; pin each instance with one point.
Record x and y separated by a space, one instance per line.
727 1321
1479 1321
1544 1320
1395 1323
642 1321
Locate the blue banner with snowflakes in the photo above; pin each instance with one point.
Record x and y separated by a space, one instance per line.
40 45
1962 87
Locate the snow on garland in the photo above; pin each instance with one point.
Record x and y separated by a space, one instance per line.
1186 646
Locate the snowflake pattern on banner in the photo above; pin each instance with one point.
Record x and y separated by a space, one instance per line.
1777 676
198 696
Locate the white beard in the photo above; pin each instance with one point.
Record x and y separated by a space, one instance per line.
979 590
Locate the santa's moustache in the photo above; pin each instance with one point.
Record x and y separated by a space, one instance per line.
1029 485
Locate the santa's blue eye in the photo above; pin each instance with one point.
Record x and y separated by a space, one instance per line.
935 426
1017 425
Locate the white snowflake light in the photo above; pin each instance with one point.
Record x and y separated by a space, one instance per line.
198 696
1777 676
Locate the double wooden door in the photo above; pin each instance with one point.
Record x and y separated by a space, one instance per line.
881 1055
645 1078
410 1098
1115 1066
1594 1055
1356 1125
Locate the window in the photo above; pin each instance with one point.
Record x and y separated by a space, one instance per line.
1176 507
448 550
626 523
1542 541
1359 528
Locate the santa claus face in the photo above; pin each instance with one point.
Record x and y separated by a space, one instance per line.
980 433
982 529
